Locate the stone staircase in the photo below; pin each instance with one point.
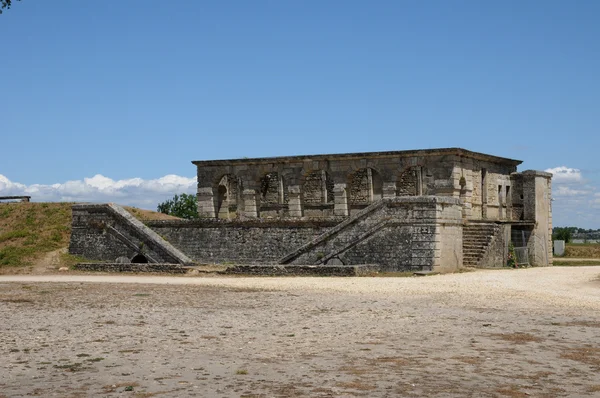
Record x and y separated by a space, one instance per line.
329 244
477 237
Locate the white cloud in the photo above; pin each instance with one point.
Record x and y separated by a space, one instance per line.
135 191
563 174
562 190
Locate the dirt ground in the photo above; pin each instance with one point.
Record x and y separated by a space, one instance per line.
504 333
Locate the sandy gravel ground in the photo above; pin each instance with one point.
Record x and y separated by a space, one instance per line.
512 333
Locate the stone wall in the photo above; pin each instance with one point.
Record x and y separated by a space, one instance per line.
399 234
106 232
496 255
357 180
241 242
132 267
305 270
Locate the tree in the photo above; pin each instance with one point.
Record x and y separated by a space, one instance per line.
5 4
183 206
560 233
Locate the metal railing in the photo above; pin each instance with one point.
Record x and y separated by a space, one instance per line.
522 255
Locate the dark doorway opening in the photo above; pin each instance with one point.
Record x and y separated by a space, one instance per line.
139 259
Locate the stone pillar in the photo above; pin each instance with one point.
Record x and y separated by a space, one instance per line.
508 197
538 207
389 189
340 203
324 192
419 171
206 202
294 201
251 204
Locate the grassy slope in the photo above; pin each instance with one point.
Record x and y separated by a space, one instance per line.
28 231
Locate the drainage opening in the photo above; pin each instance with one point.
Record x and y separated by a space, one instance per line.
139 259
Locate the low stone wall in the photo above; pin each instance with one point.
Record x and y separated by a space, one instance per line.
304 270
239 242
132 267
399 234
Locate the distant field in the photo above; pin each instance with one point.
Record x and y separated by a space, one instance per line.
582 250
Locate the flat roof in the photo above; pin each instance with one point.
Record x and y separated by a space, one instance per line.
362 155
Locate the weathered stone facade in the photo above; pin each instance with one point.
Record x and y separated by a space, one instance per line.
346 183
329 187
402 210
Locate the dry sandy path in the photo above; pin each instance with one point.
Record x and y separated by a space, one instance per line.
531 332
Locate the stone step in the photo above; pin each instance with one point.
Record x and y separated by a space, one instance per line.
478 230
478 240
487 233
471 259
475 244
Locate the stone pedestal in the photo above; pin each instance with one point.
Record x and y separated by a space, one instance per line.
206 202
340 202
294 201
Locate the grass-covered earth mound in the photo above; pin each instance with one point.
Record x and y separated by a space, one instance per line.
30 230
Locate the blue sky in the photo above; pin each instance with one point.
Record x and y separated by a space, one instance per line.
111 95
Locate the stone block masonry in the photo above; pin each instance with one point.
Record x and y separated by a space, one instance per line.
399 234
107 231
239 242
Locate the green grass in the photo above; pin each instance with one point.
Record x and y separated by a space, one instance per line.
15 234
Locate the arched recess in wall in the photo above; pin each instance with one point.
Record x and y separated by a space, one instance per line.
407 183
228 193
366 186
273 191
317 188
139 259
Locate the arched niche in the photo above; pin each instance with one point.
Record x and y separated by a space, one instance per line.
365 187
317 188
228 196
273 196
272 190
407 183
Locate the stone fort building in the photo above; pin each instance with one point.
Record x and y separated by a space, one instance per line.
435 209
